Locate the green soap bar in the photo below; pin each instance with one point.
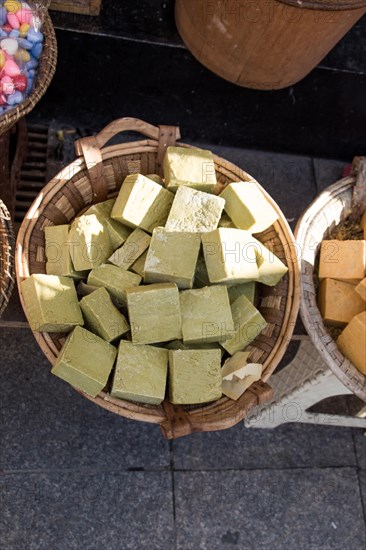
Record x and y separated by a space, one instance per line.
141 373
245 289
118 233
201 276
270 268
230 256
194 211
248 324
139 266
142 203
206 315
84 289
178 344
51 303
89 242
85 361
101 209
248 207
135 245
194 376
190 167
226 221
102 317
172 257
115 279
154 313
58 253
155 178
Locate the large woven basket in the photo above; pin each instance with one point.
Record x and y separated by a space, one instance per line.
329 209
98 174
6 257
46 70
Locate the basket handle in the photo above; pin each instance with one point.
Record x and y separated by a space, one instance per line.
91 148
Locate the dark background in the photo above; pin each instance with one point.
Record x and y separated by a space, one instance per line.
130 61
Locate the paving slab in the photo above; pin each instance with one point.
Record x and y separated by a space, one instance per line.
287 446
265 510
75 510
45 424
360 445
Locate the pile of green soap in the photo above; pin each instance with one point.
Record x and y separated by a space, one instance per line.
157 284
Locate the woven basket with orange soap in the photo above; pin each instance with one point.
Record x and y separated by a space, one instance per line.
161 281
332 237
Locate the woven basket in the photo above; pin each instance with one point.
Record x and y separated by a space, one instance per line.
46 70
329 209
98 174
6 257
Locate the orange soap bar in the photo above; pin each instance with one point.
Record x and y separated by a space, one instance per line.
343 260
361 289
352 342
339 302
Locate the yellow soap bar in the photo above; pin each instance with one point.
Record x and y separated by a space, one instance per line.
361 289
352 342
343 260
338 302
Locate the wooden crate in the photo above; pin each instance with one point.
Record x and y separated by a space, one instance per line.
83 7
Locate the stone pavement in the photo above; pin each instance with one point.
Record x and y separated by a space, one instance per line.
74 476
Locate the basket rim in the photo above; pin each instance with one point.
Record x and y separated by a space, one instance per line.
7 242
282 228
46 71
347 373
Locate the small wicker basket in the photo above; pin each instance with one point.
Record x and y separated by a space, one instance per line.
329 209
46 70
6 257
98 175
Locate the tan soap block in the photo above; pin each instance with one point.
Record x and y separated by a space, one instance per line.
103 208
135 245
58 253
142 203
270 268
172 257
194 376
338 302
154 313
102 317
343 260
236 383
248 323
139 266
189 167
156 178
361 289
85 361
352 342
194 211
230 256
141 373
115 279
51 303
245 289
248 207
206 315
89 242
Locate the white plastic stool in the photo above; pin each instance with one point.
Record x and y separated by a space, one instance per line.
305 381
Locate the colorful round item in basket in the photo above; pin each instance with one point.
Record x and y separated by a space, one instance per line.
97 175
28 53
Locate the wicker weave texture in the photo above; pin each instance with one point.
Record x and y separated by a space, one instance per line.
329 209
6 257
71 191
46 70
